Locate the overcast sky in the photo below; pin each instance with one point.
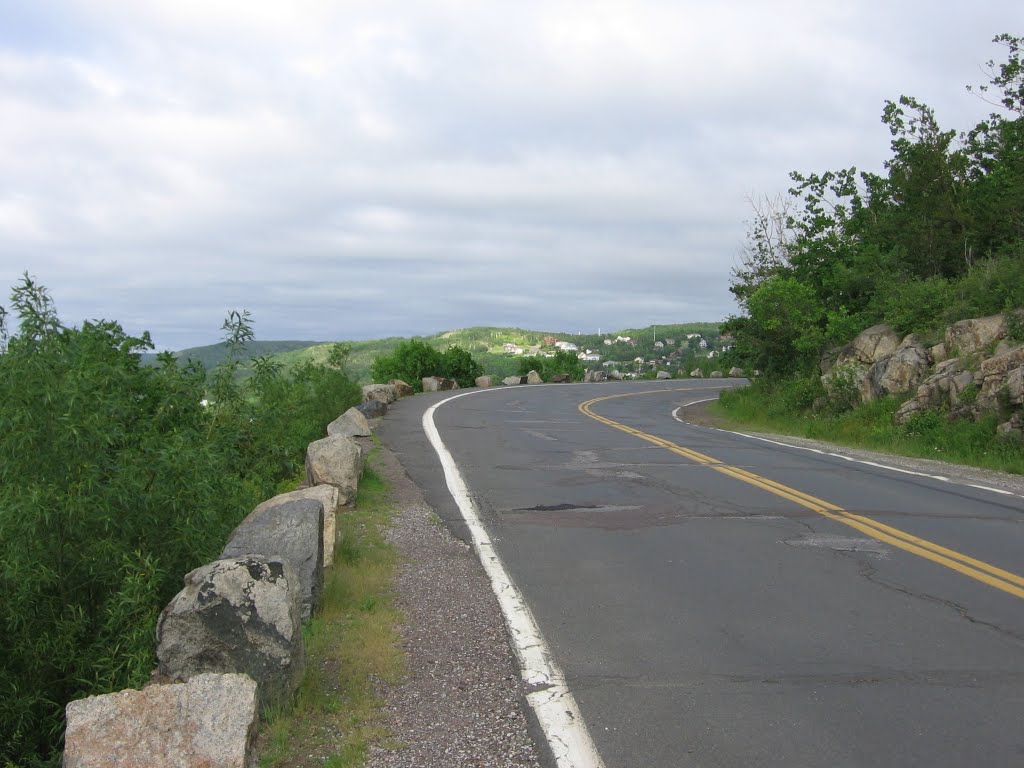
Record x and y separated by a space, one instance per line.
349 170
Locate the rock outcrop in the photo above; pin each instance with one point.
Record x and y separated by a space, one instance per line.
974 336
336 461
994 376
292 531
236 616
208 721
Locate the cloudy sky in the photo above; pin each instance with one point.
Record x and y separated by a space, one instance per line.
350 170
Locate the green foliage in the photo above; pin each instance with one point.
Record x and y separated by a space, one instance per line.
115 481
779 407
562 362
458 364
413 360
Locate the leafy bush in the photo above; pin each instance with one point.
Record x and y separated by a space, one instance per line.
115 481
411 361
561 362
458 364
414 360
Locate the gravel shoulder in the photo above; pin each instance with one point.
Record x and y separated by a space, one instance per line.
462 701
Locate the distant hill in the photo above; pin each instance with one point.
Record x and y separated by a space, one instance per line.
485 343
213 354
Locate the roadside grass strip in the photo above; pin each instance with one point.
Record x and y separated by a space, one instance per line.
352 643
979 570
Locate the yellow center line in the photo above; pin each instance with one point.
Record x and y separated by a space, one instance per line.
979 570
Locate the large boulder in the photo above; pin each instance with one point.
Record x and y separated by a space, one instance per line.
240 615
485 381
511 381
696 373
715 375
439 384
336 461
736 373
328 496
208 721
969 337
352 423
292 531
402 389
663 375
561 378
595 375
534 378
384 393
615 374
372 409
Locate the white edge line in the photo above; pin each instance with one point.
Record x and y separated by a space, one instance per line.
942 478
555 706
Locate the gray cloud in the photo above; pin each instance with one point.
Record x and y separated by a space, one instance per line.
357 170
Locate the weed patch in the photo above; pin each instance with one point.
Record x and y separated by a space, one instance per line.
776 407
351 644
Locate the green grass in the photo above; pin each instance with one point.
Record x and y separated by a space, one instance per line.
782 409
351 644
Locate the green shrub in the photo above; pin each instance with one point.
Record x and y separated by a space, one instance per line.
561 362
115 481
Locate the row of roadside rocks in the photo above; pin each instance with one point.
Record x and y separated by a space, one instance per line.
974 371
229 644
378 396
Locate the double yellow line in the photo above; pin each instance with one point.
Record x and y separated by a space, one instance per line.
968 566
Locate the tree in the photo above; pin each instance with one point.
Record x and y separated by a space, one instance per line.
458 364
411 361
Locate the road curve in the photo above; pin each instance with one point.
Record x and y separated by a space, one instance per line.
714 600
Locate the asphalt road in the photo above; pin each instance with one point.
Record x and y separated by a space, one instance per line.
719 601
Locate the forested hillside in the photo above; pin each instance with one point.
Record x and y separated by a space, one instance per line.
487 345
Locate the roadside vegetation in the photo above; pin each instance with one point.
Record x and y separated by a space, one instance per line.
352 644
117 479
776 407
937 237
